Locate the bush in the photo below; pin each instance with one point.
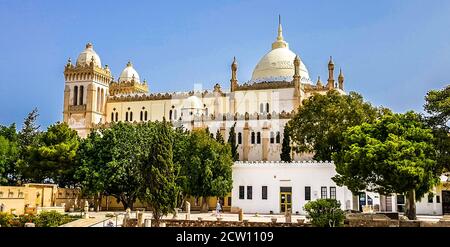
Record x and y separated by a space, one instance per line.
51 219
6 219
44 219
325 213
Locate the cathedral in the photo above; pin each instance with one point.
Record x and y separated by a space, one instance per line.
258 108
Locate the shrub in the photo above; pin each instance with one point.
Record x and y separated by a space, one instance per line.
26 218
6 219
51 219
325 213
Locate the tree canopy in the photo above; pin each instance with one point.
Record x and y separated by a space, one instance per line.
207 166
52 158
438 107
394 154
320 121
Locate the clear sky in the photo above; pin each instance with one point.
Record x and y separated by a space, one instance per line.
392 52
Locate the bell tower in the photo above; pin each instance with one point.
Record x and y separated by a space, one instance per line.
86 91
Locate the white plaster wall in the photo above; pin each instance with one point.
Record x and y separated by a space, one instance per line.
276 175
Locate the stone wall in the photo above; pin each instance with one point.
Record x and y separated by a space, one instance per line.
204 223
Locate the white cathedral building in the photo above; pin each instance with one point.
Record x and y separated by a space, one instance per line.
260 108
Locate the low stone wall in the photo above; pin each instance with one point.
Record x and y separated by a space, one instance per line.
205 223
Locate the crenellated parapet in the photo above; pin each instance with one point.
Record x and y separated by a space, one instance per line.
87 72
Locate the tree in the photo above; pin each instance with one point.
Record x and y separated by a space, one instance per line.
8 157
207 165
28 137
232 142
320 122
159 185
438 107
219 137
286 145
9 154
53 159
109 163
395 154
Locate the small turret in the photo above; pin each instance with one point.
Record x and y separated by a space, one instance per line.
330 84
319 83
234 80
341 80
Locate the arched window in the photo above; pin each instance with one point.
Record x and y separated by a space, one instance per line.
142 116
131 116
81 94
75 95
145 116
258 138
175 114
272 137
170 115
206 111
261 107
239 140
126 116
253 137
278 137
112 116
117 116
267 107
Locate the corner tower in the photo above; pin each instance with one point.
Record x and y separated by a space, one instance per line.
86 90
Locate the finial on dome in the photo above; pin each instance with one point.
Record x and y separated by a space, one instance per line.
279 43
234 59
331 60
88 45
69 61
129 64
280 29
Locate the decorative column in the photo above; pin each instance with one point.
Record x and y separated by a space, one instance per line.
245 141
265 143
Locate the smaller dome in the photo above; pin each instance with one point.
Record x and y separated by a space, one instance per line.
88 55
193 102
129 74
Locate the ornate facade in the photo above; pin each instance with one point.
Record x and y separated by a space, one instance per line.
260 108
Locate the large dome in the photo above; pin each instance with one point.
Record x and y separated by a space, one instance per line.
88 55
278 64
129 74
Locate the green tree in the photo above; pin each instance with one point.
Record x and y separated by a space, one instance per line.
392 155
53 159
9 154
321 120
219 137
109 163
159 186
438 107
232 142
207 165
286 145
28 135
28 138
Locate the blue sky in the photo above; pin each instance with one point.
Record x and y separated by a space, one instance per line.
392 52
